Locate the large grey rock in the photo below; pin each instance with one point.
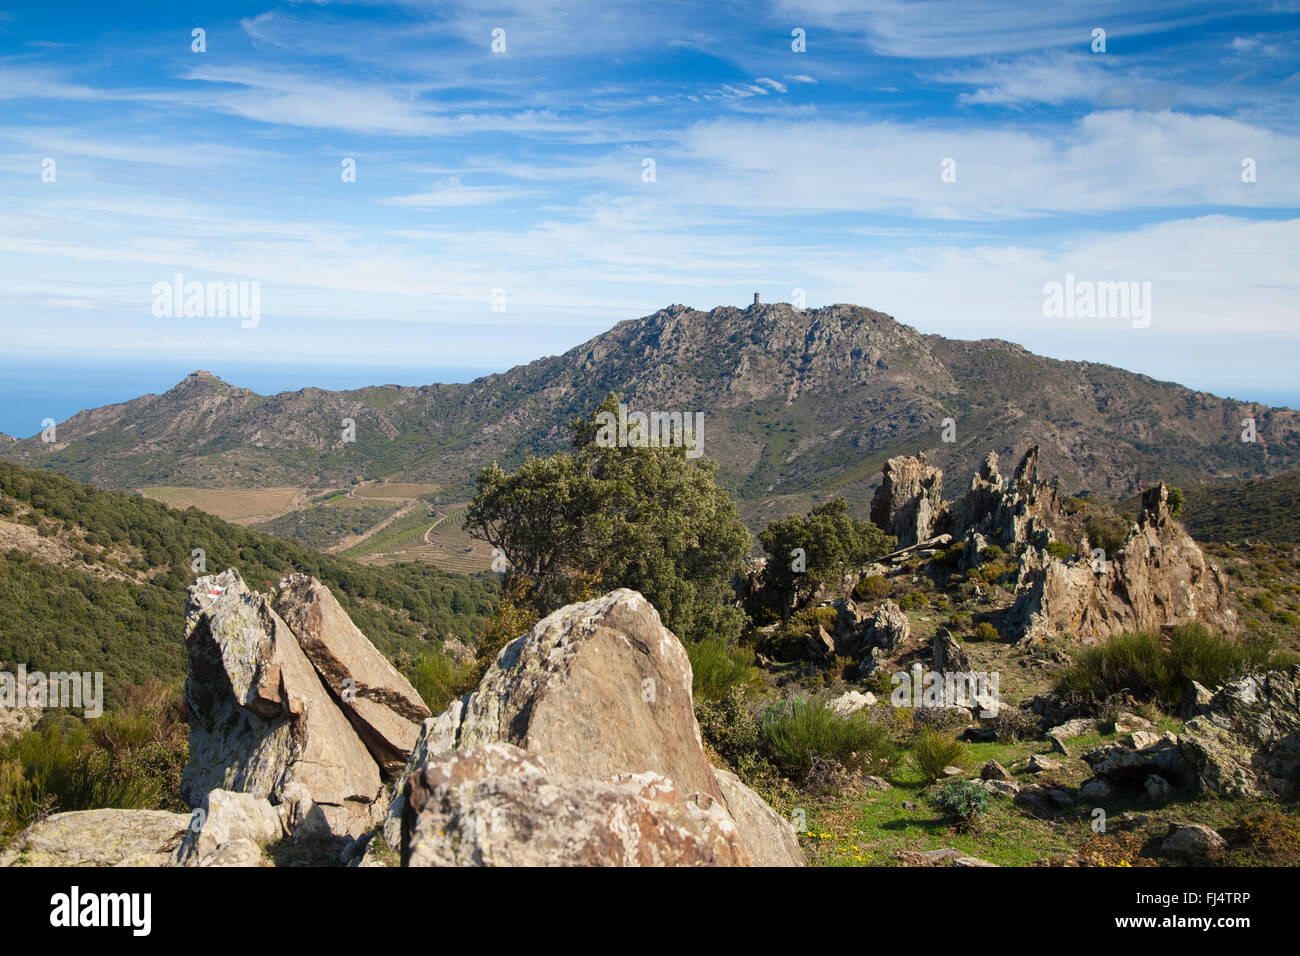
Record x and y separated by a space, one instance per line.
597 688
887 628
381 704
1246 742
437 736
227 818
497 805
99 838
260 718
1125 766
597 691
948 657
768 837
1192 843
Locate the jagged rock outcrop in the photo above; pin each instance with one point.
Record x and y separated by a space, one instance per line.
260 718
381 703
99 838
1158 578
947 657
1007 513
1246 741
595 692
909 502
498 805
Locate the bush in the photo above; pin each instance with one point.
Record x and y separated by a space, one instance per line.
126 759
439 679
984 631
793 735
993 572
1175 501
992 553
963 801
934 750
720 668
1139 664
1107 531
871 588
1011 723
1266 838
1059 550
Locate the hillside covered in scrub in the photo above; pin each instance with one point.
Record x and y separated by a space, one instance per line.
96 581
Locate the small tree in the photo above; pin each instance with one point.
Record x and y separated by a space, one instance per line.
829 542
601 517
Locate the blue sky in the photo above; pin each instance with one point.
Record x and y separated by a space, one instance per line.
522 171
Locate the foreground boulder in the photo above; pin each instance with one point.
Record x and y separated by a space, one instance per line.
230 829
260 718
595 702
497 805
99 838
1246 740
380 703
598 688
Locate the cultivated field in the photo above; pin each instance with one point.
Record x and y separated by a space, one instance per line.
239 505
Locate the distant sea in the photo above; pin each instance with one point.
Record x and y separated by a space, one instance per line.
31 390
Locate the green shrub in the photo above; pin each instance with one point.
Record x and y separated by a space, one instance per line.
438 679
1107 531
911 600
933 750
126 759
871 588
720 668
1059 550
992 553
792 735
963 801
984 631
1175 501
993 572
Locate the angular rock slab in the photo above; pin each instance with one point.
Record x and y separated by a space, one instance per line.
381 704
597 689
498 805
768 837
225 819
260 718
99 838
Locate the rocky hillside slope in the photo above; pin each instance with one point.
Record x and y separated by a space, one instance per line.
797 404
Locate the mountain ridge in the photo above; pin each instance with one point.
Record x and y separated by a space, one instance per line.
800 404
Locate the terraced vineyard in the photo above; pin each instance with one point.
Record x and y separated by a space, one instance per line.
440 540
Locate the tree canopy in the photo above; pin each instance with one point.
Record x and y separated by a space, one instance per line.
600 516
